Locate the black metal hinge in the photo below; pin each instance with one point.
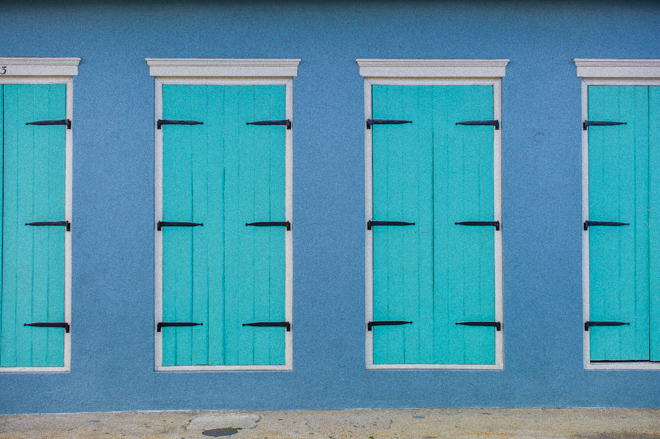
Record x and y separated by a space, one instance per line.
370 325
479 223
66 122
162 122
162 325
66 326
286 325
496 325
51 223
286 224
286 122
495 123
371 122
599 123
162 224
588 325
587 224
371 224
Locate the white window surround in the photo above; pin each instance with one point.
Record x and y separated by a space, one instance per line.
617 68
433 72
432 68
31 70
643 72
222 72
225 68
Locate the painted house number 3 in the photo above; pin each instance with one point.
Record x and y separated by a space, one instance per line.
3 70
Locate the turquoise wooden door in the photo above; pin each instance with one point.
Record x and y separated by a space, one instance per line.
624 167
33 190
433 173
223 174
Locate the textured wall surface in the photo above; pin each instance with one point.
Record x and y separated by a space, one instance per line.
112 365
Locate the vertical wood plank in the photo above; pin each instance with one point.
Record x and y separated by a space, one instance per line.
618 178
261 212
442 226
467 195
389 142
10 228
24 208
654 222
246 201
277 208
2 294
200 145
234 224
51 167
177 241
215 233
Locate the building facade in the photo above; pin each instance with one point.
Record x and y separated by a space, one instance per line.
286 205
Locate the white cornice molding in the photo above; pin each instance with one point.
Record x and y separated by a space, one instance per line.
617 68
208 67
432 68
33 66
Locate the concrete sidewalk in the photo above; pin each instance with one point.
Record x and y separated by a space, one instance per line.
338 424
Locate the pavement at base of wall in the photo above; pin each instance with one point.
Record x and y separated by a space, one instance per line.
338 424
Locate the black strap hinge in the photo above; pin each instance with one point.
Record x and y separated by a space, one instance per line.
371 224
371 122
286 325
162 224
66 326
162 325
286 122
479 223
495 123
496 325
603 223
286 224
588 325
599 123
162 122
66 122
51 223
370 325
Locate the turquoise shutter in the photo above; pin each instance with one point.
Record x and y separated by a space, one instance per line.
223 274
434 273
402 256
619 191
32 257
654 221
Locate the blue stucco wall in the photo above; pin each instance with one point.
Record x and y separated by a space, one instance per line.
112 324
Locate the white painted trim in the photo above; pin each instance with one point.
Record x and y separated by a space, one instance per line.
617 68
623 365
586 82
368 236
288 236
32 66
497 214
158 216
432 68
434 367
68 212
496 83
228 368
68 204
585 233
208 67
